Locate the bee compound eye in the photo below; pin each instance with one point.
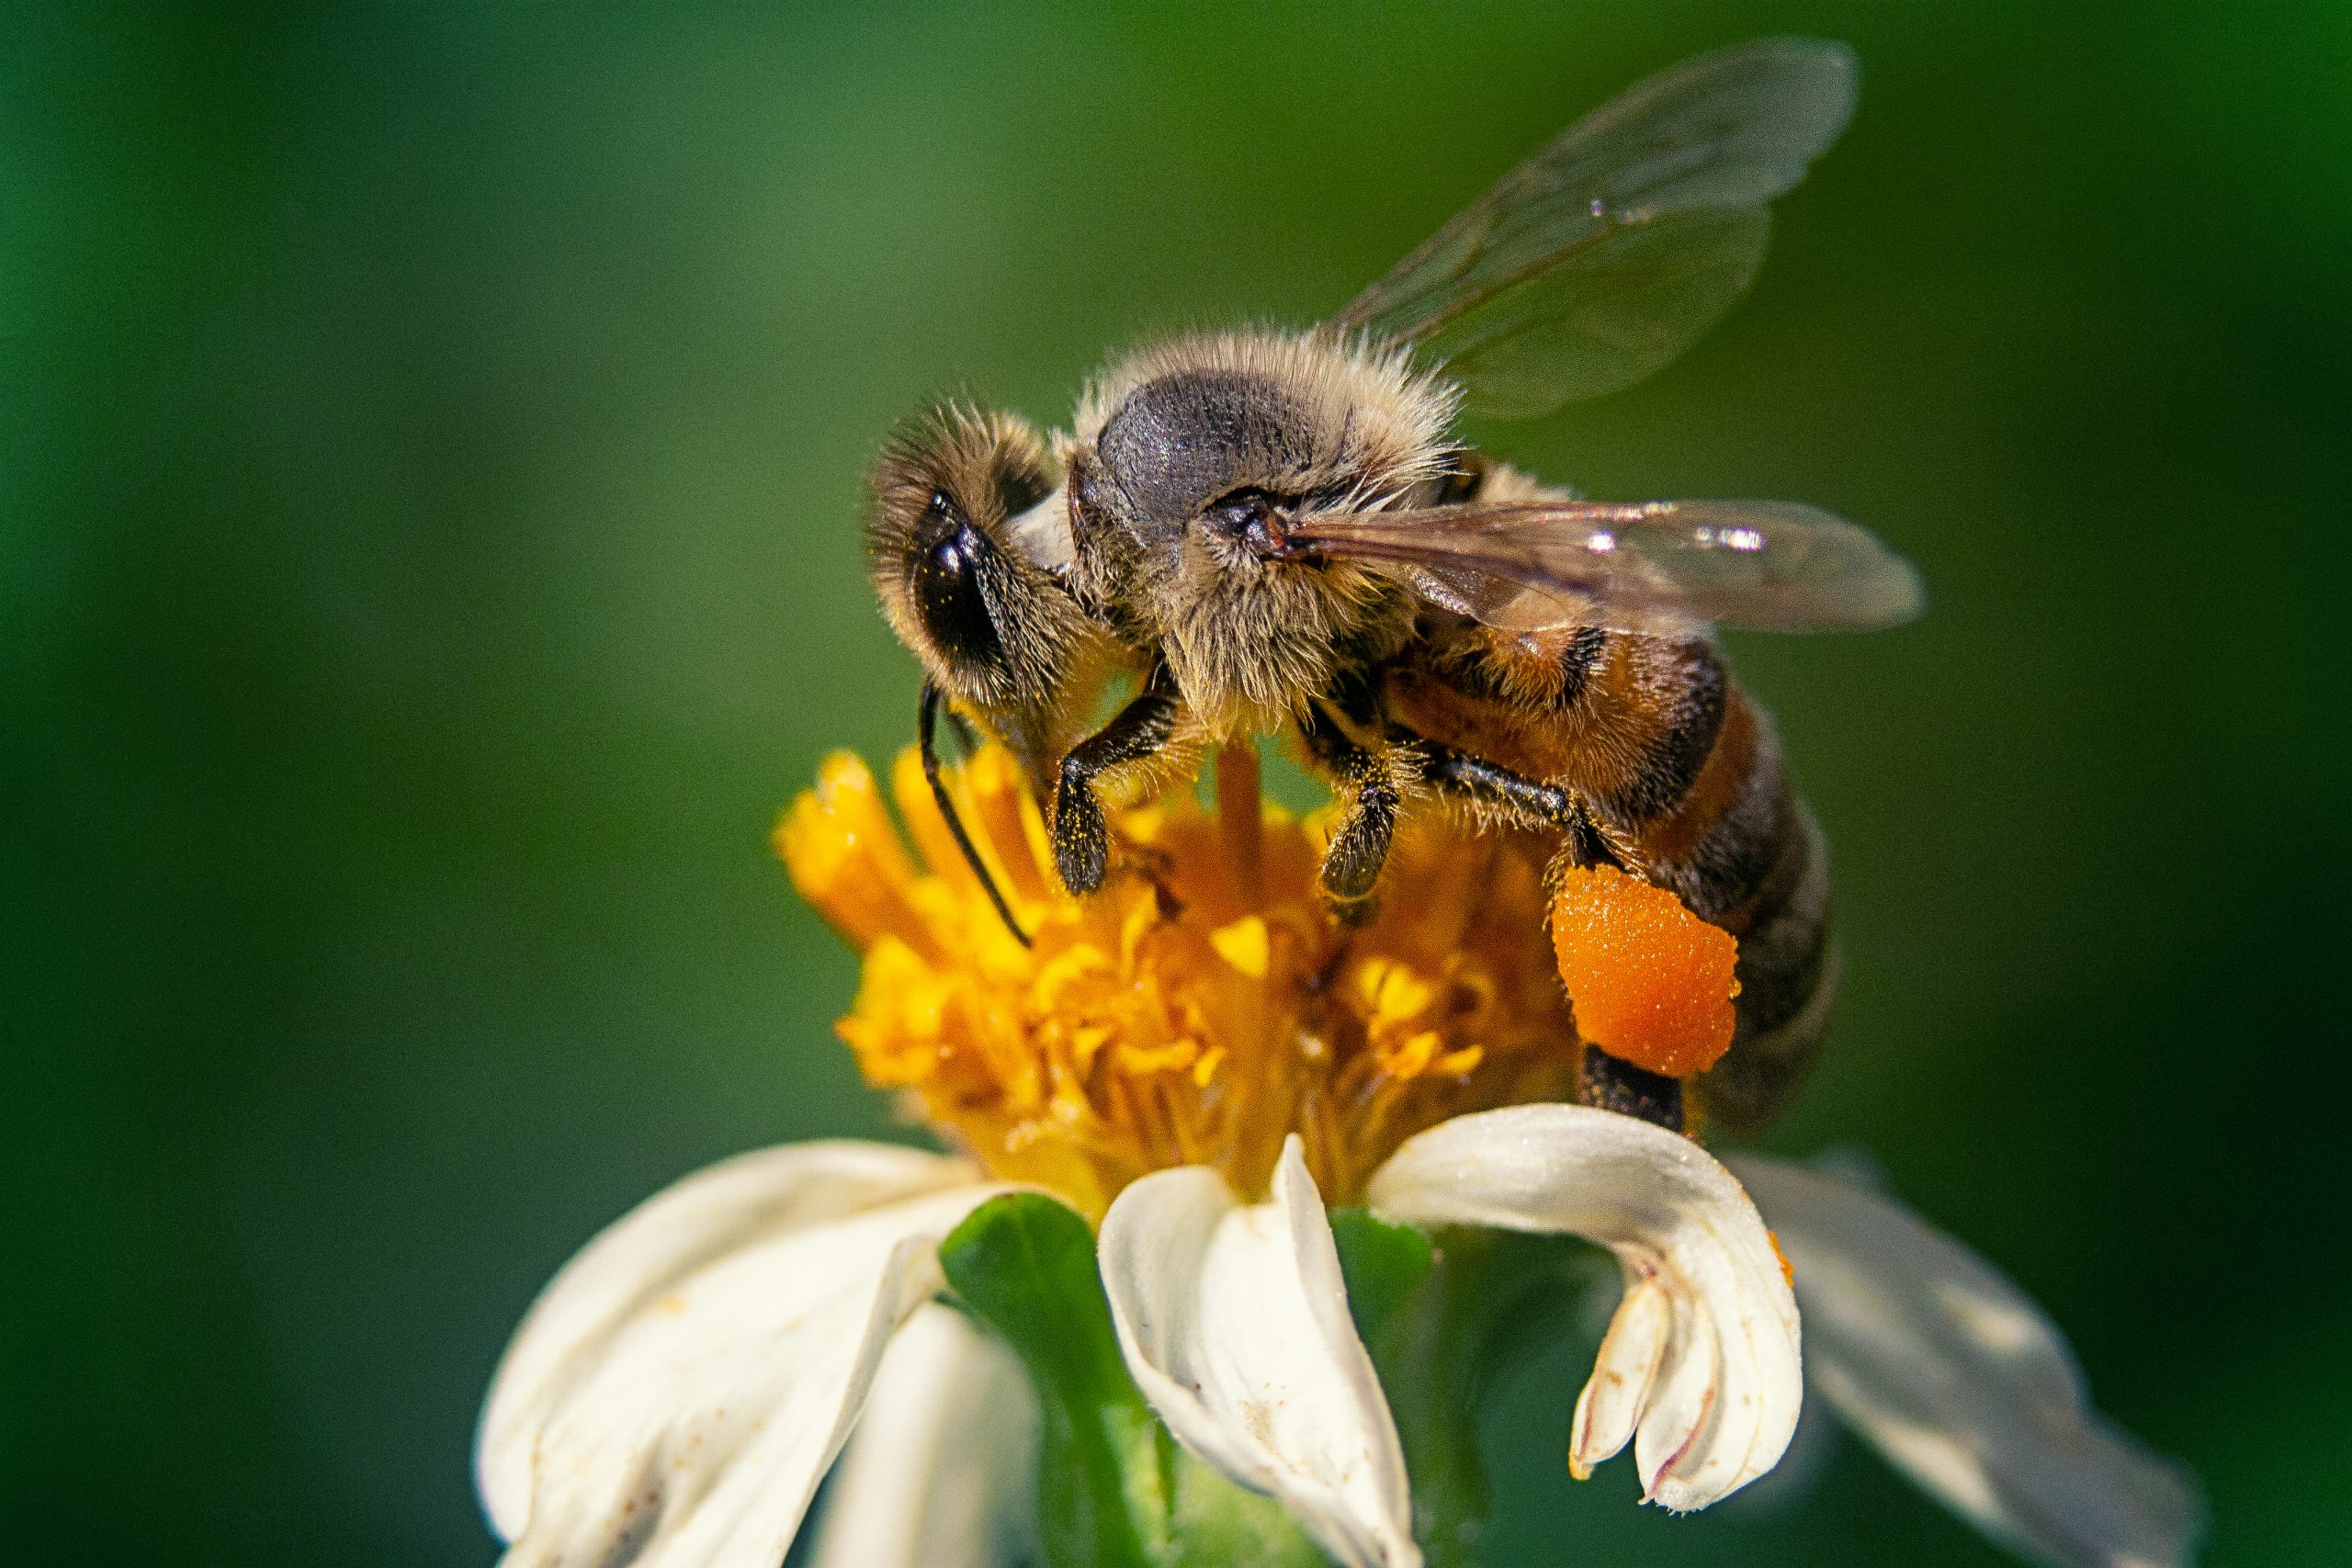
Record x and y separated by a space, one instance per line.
947 586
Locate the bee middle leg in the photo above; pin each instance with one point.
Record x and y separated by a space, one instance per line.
1372 781
1082 836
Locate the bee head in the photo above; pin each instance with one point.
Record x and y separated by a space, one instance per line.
1191 464
991 625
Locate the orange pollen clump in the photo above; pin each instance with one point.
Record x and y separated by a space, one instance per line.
1200 1007
1652 982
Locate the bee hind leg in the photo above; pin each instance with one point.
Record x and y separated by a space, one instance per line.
1586 841
1603 1080
1611 1084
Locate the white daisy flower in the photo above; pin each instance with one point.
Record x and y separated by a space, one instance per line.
1199 1064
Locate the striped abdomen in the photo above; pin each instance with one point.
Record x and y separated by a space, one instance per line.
1684 776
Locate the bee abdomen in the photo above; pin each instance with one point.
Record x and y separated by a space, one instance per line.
1760 869
1681 766
1686 696
1788 976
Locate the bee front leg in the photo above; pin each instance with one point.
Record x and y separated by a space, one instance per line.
1082 837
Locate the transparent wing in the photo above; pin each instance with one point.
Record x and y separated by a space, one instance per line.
1659 565
1610 251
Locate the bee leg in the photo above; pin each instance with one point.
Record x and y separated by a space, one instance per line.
1588 844
1613 1084
926 740
1603 1079
1082 837
1373 783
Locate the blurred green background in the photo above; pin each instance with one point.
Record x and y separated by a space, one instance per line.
432 447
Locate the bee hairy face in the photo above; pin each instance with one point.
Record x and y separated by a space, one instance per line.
991 626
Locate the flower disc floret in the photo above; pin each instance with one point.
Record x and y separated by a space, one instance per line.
1200 1006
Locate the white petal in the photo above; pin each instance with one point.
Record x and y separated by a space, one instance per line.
688 1427
1613 1399
1960 1382
1235 1323
645 1254
942 1470
1724 1401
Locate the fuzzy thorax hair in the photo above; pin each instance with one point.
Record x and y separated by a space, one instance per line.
1392 416
1189 453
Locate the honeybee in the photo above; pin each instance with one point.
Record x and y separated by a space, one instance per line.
1280 531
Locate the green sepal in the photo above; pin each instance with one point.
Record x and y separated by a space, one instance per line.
1024 1265
1113 1488
1383 1265
1219 1525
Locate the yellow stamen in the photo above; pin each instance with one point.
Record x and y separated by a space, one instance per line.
1203 1005
1245 946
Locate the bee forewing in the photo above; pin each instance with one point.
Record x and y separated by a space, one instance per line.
1613 248
1658 567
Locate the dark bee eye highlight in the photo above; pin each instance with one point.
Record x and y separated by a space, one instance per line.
946 586
1249 515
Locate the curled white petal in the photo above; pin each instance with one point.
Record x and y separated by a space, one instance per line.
942 1470
1956 1375
684 1385
1614 1398
1723 1402
1233 1321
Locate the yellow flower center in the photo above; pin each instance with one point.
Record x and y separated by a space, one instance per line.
1198 1009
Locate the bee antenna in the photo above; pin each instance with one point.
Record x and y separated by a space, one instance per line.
926 741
